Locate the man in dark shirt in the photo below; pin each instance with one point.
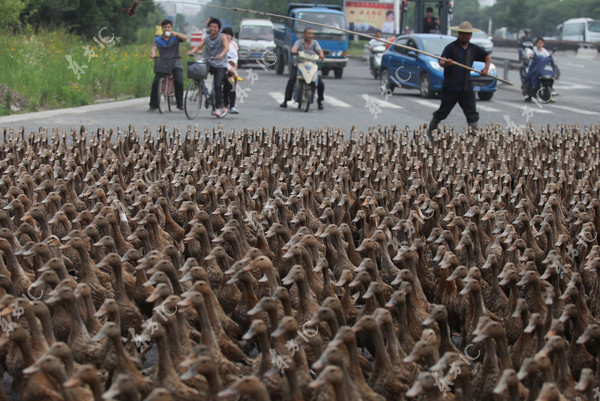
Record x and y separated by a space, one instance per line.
457 86
430 24
168 47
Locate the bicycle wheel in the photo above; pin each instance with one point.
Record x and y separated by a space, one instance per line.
162 95
192 103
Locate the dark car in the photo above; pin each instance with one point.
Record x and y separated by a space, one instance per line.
409 69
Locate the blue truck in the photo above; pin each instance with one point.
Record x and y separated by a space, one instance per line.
333 42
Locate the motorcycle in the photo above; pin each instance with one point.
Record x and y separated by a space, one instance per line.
375 55
307 79
540 78
525 49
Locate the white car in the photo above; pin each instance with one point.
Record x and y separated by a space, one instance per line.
256 43
481 39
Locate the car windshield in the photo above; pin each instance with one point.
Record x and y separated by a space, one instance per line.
594 26
436 45
256 32
335 20
479 35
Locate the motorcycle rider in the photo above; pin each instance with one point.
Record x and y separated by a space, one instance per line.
302 45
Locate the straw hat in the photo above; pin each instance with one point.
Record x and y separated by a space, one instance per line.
466 27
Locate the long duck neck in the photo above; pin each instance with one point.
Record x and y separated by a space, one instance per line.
262 343
382 359
208 334
355 370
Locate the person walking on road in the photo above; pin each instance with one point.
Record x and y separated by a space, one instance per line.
457 86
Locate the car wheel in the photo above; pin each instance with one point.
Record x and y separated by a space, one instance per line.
325 72
384 82
485 95
338 72
425 86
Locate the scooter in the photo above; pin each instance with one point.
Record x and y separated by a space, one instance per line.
540 78
375 56
307 79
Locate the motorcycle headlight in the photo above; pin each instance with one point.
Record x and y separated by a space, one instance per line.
435 65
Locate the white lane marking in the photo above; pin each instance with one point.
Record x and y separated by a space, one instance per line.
532 106
487 108
278 96
336 102
427 103
383 103
574 110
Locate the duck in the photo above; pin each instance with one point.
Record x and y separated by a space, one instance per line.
250 386
166 375
86 375
125 364
509 384
333 376
385 379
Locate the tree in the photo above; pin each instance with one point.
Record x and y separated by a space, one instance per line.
12 10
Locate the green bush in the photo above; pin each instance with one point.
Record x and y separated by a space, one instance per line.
36 65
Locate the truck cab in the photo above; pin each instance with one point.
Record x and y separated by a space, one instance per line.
333 42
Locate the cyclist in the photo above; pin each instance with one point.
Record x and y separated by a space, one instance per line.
168 48
217 46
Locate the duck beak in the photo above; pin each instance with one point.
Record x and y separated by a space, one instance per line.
584 338
111 393
500 388
415 390
185 303
249 334
480 338
318 382
33 369
188 374
522 375
100 336
230 392
72 382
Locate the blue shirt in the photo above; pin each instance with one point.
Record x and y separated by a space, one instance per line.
457 78
169 49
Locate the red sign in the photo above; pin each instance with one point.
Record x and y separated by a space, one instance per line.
196 38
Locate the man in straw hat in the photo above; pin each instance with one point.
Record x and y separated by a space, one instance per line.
457 86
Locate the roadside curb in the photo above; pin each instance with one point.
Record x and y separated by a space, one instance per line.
73 110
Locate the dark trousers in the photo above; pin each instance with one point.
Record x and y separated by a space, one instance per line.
219 75
289 88
177 79
466 100
228 93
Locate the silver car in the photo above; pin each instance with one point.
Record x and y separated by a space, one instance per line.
481 39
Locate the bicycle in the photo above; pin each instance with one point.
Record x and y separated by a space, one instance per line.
192 101
166 85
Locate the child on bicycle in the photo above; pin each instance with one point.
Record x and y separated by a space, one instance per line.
232 56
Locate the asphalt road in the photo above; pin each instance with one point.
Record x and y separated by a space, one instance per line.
354 100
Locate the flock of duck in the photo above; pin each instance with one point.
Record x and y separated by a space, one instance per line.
292 264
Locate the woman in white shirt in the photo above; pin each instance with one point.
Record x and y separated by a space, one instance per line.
539 50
